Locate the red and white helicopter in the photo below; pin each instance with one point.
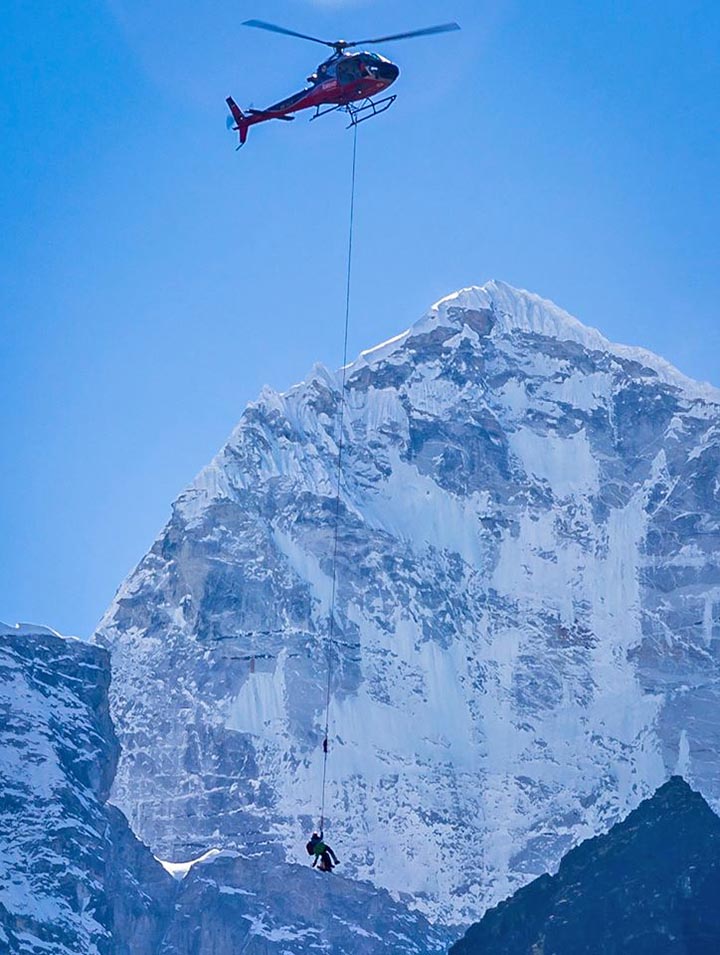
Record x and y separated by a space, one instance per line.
346 81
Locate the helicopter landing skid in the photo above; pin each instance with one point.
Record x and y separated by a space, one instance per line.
358 114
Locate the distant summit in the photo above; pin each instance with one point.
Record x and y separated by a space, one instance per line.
650 886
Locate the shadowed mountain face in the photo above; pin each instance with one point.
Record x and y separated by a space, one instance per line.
73 878
57 759
649 887
526 618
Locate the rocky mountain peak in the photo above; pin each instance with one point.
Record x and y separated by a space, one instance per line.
527 614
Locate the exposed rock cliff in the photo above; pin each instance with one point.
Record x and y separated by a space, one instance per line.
648 887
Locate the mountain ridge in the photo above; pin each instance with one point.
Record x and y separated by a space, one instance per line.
647 886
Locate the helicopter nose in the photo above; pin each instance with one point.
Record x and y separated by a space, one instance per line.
388 72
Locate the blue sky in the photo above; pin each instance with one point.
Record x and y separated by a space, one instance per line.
153 279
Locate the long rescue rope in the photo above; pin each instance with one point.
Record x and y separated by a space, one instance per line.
331 620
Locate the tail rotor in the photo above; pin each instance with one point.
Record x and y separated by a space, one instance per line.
237 121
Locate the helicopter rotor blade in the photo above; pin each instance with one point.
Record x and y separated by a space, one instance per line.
262 25
428 31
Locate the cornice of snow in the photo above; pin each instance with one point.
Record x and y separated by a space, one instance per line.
517 310
27 630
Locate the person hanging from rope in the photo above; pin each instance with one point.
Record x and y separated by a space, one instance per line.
322 852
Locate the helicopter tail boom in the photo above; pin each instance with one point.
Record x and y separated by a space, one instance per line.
243 121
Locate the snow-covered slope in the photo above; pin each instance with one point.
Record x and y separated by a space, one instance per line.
74 880
57 756
527 614
57 759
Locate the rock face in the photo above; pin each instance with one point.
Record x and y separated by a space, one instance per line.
143 897
650 887
259 905
73 878
526 623
57 761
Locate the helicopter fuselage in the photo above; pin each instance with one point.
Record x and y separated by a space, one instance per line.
343 79
339 83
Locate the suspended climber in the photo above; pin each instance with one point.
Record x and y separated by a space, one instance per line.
322 853
323 856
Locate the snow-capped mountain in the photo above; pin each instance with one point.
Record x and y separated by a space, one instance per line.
255 903
527 614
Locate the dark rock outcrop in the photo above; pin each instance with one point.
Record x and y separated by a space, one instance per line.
650 886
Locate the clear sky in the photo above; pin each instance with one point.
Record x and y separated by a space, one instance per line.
152 279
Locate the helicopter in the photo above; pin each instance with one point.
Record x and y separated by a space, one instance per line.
346 81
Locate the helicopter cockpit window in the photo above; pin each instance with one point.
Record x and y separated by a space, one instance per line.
350 69
323 72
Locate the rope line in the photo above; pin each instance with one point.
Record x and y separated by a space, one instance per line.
331 620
